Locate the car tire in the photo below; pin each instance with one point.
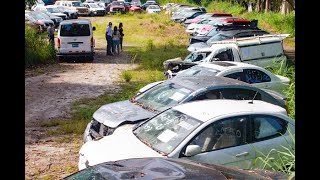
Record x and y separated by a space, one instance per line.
91 14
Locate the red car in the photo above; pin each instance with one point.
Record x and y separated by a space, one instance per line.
116 6
134 8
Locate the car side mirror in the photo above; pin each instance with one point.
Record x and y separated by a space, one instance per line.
192 150
93 28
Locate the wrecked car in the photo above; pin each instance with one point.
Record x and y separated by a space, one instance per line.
167 168
225 132
167 94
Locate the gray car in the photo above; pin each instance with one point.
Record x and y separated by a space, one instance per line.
170 93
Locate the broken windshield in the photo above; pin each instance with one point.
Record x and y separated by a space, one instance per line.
163 96
167 130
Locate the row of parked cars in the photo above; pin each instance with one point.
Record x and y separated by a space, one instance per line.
210 110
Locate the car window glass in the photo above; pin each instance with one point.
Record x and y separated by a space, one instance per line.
167 130
225 55
213 94
163 96
222 134
265 127
236 75
255 76
240 94
75 30
196 56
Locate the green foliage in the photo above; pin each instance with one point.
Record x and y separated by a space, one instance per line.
37 49
127 76
278 160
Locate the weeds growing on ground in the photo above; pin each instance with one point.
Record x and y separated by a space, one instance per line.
37 49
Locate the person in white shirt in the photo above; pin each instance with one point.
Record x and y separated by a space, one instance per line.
109 39
116 40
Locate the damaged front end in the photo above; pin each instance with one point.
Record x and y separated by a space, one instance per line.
96 130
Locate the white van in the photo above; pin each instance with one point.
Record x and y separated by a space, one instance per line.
74 5
75 39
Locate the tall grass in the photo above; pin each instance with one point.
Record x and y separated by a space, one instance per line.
287 70
37 49
282 160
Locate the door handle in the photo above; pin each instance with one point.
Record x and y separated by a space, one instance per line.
242 154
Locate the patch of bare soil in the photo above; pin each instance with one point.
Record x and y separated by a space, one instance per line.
49 92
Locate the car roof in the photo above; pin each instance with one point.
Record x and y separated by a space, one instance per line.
205 110
226 65
232 32
75 21
199 82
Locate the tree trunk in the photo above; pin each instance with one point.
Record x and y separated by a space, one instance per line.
257 9
267 6
250 7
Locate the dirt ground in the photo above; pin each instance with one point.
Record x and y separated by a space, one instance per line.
49 92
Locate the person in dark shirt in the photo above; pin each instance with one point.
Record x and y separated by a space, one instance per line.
121 34
50 31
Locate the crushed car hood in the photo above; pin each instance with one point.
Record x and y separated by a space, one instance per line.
116 147
114 114
197 46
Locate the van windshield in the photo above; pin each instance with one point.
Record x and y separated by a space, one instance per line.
75 30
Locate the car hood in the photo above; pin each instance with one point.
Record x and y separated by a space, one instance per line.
98 9
59 14
46 21
188 21
114 114
197 46
115 147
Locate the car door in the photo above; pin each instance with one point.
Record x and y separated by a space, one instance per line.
224 142
267 134
257 78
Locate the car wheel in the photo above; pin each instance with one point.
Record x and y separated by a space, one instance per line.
91 14
90 59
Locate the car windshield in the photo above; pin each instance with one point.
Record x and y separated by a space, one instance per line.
198 71
217 37
75 30
213 31
77 4
163 96
53 10
39 16
93 5
196 56
153 7
166 131
117 3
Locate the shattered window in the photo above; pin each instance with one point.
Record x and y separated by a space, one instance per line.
167 130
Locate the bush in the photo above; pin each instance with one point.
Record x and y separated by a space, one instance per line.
37 49
127 76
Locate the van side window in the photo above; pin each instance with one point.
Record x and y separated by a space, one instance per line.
252 76
225 55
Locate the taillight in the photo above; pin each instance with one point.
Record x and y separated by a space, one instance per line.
58 42
92 42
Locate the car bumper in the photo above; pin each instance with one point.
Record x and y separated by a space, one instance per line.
90 54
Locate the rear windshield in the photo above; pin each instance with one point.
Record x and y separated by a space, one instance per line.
75 30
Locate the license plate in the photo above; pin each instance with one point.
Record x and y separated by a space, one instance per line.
75 45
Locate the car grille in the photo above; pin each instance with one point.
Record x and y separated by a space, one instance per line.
101 12
82 10
117 9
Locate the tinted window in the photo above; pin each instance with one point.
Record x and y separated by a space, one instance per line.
222 134
237 75
225 55
75 30
240 94
265 127
255 76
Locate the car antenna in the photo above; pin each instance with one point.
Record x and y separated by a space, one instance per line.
251 102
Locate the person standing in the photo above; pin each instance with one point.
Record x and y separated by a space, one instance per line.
121 34
109 39
50 31
116 40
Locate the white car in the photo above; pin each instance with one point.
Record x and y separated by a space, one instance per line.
51 9
225 132
153 9
193 27
255 75
95 9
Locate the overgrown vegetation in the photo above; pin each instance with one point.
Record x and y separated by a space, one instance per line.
282 160
37 48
